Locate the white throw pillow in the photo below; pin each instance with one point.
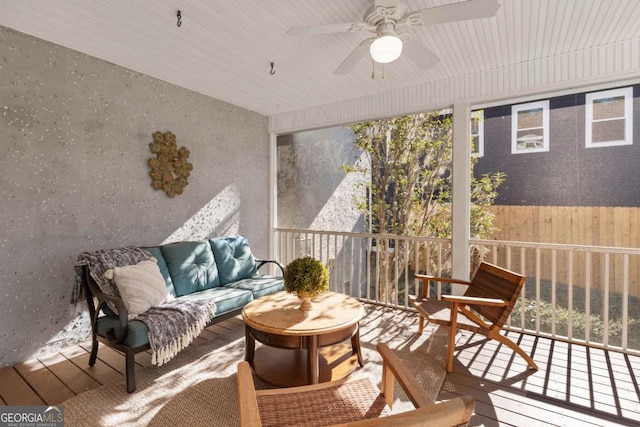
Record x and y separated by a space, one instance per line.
141 286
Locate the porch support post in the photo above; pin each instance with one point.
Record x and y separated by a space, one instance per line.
461 203
273 197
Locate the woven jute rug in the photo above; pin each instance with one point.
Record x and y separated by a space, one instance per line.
198 387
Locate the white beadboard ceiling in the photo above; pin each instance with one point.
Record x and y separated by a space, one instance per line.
224 47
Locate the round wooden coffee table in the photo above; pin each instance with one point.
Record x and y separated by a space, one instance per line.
303 347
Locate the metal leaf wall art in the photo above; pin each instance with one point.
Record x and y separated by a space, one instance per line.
170 169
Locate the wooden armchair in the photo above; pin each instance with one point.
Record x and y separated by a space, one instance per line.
347 402
485 306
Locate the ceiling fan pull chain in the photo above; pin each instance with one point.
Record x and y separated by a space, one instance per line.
179 16
383 71
272 72
373 69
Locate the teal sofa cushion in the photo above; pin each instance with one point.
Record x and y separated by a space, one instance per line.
191 265
157 254
226 299
233 258
137 331
260 285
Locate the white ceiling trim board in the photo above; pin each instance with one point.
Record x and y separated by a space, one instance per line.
611 63
223 50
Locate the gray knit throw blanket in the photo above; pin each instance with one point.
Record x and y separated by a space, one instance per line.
172 325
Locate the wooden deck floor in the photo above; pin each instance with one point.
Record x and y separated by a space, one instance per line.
575 386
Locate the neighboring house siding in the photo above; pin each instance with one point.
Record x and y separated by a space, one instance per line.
569 174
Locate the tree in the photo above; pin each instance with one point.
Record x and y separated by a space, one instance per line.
410 162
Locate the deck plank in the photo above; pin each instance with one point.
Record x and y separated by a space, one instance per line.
49 387
504 409
501 403
569 383
237 320
143 359
71 375
207 335
109 356
572 383
574 386
578 374
501 356
199 340
219 328
100 371
14 390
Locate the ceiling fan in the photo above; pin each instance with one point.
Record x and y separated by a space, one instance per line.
386 17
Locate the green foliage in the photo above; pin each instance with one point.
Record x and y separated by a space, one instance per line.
483 194
306 275
579 321
410 161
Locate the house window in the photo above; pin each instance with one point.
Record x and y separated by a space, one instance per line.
609 118
477 133
530 127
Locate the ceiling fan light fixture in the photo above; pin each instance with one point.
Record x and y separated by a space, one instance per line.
386 48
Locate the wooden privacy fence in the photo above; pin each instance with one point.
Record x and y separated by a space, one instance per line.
616 227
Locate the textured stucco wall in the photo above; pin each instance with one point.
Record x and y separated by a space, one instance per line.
74 132
315 193
313 190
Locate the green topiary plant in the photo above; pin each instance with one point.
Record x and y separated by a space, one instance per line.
306 275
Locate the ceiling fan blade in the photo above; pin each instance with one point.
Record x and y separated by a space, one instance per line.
325 29
354 57
421 55
470 9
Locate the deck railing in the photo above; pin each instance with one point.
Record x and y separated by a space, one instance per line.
581 294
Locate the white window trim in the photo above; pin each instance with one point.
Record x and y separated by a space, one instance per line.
545 126
479 115
627 92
